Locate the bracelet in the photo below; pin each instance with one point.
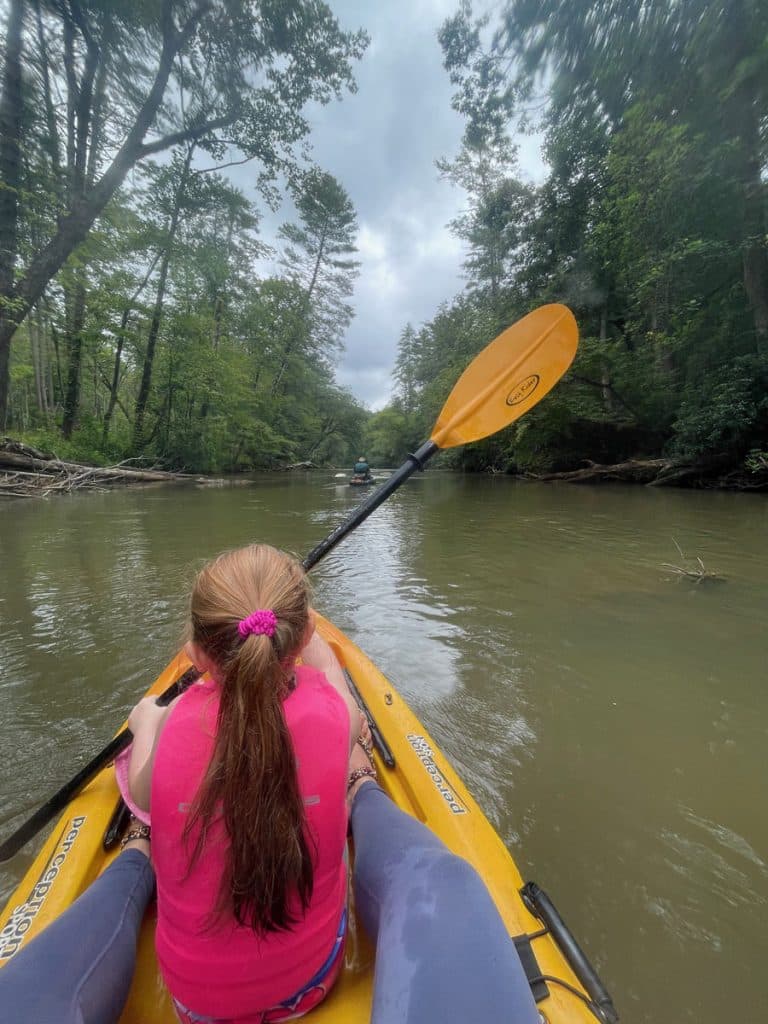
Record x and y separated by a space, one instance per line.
136 832
366 745
361 773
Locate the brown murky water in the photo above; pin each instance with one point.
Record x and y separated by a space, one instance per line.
611 719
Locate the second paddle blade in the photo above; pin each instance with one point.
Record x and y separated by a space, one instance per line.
509 376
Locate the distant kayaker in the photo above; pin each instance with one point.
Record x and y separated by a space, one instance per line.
247 778
362 469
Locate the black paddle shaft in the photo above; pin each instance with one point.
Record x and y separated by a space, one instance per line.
371 503
68 792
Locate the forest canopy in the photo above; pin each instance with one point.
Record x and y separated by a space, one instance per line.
134 321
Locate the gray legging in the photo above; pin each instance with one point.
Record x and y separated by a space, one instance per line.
442 952
79 970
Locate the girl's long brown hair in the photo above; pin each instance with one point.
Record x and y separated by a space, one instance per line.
251 780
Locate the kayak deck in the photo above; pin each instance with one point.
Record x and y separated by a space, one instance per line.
421 782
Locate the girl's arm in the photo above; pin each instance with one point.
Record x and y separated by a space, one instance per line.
319 654
146 722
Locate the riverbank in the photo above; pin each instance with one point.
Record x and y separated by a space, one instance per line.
27 472
667 473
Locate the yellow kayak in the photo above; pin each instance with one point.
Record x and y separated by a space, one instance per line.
417 776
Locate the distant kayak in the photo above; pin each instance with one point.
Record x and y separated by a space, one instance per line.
362 481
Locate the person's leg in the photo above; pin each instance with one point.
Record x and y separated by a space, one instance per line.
442 951
79 970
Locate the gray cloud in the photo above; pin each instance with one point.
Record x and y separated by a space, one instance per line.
382 143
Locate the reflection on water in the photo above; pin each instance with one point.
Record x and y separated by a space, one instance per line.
610 718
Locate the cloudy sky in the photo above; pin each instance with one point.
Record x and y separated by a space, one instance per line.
382 144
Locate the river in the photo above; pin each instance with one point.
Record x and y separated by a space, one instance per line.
610 717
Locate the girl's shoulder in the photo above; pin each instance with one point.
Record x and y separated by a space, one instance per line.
312 682
308 675
200 702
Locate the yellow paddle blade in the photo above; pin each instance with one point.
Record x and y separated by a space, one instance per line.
509 376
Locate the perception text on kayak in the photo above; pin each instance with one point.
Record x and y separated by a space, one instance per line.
426 755
12 935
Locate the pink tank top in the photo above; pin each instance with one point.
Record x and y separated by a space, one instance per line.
224 969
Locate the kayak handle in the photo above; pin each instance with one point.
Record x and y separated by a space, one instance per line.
542 907
378 740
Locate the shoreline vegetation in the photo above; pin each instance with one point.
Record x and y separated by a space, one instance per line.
28 472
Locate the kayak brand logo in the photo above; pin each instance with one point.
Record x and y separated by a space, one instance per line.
523 390
17 926
426 755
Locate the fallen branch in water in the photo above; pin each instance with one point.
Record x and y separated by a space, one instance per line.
698 575
632 471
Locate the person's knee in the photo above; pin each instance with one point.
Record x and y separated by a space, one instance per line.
451 873
451 892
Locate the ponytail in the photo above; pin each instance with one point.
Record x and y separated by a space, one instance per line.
251 781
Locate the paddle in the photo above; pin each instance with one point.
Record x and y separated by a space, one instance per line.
499 386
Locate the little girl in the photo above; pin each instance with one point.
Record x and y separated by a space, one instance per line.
246 775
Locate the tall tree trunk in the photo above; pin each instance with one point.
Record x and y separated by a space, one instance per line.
39 360
113 398
59 392
84 105
157 314
74 349
34 351
294 340
755 256
742 115
219 296
10 177
51 141
149 357
605 374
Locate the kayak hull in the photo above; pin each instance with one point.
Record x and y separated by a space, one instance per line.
421 782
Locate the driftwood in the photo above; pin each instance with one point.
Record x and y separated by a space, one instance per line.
634 471
26 472
667 473
698 573
300 465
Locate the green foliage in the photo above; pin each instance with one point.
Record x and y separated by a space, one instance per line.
650 224
94 89
83 447
724 414
389 436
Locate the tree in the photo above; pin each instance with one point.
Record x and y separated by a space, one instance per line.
406 369
245 69
702 64
319 261
170 196
651 223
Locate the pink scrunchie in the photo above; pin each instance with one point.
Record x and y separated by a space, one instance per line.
261 622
